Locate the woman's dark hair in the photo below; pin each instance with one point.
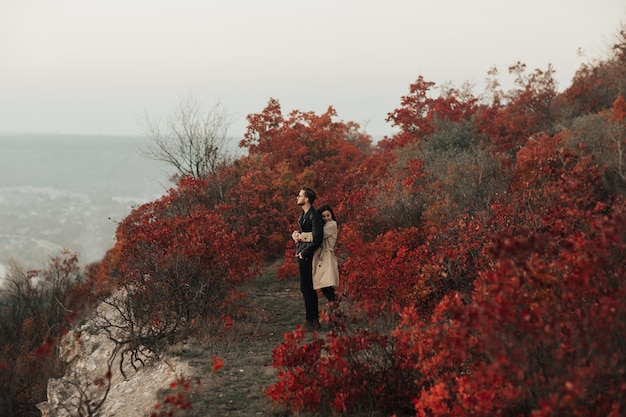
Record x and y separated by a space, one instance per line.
326 207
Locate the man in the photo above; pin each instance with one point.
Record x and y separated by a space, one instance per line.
308 237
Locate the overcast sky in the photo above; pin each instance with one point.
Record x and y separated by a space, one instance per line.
97 66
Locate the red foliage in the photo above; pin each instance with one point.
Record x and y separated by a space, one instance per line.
178 401
305 143
45 349
592 90
218 363
180 257
539 335
341 373
523 111
413 266
514 305
36 309
518 310
618 110
285 154
419 113
258 205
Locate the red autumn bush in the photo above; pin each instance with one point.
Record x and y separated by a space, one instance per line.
541 335
179 261
538 332
37 307
516 308
359 371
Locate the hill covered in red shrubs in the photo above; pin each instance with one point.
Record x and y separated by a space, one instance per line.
482 253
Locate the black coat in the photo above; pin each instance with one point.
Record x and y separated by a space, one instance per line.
311 221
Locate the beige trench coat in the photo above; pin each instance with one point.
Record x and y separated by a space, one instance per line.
325 268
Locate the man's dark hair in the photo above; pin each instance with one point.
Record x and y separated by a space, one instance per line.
310 194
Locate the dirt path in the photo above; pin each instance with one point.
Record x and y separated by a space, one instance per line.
238 389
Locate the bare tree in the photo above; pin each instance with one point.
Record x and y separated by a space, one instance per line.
192 140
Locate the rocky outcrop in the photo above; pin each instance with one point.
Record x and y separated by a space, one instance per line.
94 383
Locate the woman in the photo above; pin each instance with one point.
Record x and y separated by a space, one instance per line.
325 268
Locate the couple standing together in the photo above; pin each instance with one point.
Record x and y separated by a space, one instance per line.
316 237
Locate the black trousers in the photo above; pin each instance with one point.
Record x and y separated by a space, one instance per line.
306 286
329 292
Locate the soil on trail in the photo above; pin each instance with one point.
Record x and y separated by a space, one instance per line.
272 308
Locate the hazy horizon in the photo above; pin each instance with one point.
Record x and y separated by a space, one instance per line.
70 191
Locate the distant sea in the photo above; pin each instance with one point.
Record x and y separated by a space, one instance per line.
69 191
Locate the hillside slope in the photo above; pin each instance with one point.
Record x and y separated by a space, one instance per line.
270 308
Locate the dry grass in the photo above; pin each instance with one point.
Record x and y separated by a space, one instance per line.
272 307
